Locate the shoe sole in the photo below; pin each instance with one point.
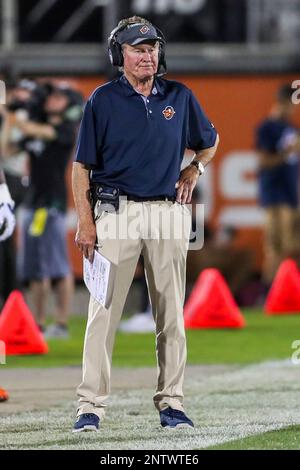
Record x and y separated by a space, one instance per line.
88 427
179 426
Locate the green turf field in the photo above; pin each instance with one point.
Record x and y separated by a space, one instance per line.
283 439
253 405
264 338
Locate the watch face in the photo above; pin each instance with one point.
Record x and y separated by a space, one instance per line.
199 166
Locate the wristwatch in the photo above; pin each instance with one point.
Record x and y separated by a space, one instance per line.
199 166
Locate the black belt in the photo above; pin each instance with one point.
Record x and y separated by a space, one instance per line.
149 198
99 191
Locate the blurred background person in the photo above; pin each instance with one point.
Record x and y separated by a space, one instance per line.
22 99
278 145
48 139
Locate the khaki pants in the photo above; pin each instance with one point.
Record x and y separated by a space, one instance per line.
164 261
281 238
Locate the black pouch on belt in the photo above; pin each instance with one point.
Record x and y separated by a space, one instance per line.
108 196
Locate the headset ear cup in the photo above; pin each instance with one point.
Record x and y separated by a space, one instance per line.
120 55
114 48
116 52
162 66
113 51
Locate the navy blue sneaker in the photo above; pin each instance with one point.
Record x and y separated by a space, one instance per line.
87 422
170 418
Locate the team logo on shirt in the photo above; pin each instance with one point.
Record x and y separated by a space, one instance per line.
168 112
144 29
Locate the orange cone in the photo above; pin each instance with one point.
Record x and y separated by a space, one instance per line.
284 295
18 329
3 395
211 304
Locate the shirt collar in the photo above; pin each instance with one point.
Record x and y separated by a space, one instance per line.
157 89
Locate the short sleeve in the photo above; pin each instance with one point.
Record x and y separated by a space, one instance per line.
87 141
201 132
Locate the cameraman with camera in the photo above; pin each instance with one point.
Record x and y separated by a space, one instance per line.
14 166
48 134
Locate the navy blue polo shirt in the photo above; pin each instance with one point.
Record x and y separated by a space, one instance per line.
137 144
277 185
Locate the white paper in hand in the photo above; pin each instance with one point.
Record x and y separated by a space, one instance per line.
96 276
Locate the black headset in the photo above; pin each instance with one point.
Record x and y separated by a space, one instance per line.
115 49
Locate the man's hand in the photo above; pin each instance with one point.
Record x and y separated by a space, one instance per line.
186 183
7 221
85 239
188 177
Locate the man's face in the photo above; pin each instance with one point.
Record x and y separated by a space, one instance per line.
141 60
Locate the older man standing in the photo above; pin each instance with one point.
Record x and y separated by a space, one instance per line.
131 143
